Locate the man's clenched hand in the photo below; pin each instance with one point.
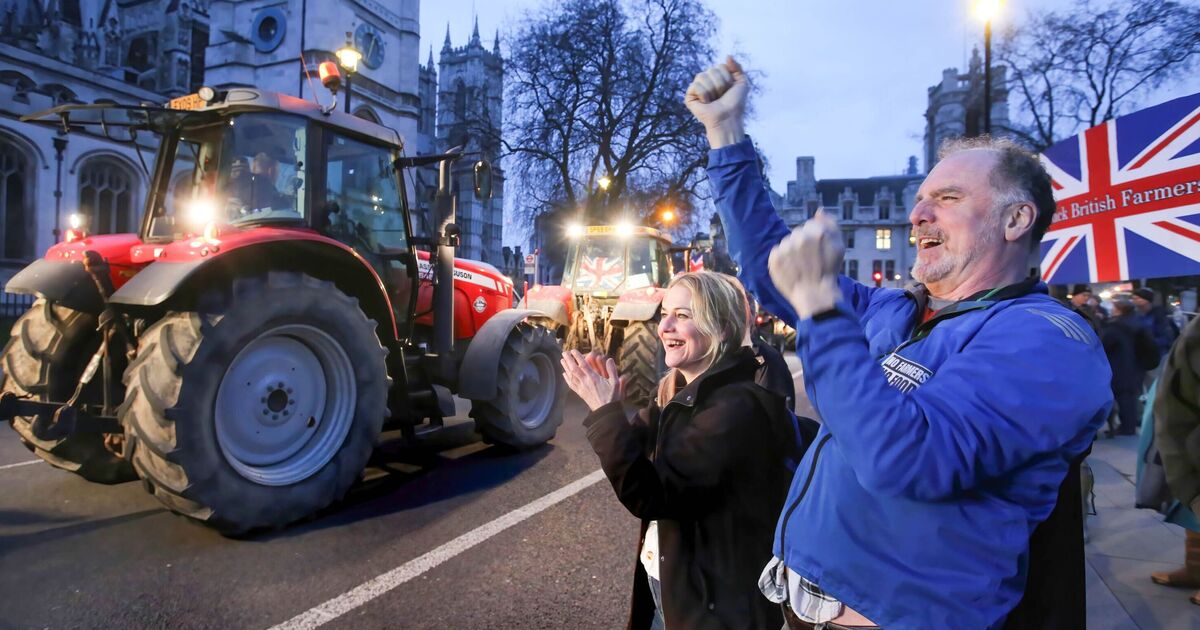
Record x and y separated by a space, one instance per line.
805 264
717 98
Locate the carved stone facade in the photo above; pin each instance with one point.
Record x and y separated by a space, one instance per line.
57 52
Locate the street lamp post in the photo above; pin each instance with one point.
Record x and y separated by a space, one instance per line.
348 57
987 10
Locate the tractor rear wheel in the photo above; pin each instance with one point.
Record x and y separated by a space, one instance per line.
49 348
260 409
528 407
641 362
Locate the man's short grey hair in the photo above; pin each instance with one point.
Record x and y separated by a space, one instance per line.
1018 177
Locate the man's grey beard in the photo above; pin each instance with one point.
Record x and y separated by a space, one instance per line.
928 272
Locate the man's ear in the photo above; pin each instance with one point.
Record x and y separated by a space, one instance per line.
1019 221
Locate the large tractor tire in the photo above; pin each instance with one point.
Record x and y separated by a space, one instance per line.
640 361
48 351
260 409
528 407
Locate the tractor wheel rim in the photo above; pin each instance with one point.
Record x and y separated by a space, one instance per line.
535 390
285 405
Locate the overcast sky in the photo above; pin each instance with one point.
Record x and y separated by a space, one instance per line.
844 80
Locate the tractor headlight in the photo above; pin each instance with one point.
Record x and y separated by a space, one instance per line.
624 229
75 221
201 211
575 230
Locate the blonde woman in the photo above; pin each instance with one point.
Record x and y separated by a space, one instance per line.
705 466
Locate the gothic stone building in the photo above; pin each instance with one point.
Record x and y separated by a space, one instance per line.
469 108
873 215
55 52
956 106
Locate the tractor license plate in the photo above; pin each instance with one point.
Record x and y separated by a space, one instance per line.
188 102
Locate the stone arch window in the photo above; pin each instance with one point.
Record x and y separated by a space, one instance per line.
61 94
21 84
17 181
70 13
108 192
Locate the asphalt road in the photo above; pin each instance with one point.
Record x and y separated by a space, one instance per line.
76 554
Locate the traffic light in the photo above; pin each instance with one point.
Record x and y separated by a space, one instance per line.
878 276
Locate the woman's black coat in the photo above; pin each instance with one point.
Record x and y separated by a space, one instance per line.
713 469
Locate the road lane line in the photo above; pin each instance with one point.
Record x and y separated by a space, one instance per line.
32 461
381 584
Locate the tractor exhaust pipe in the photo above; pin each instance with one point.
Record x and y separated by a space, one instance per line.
443 290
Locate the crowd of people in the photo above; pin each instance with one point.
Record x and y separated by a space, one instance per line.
940 485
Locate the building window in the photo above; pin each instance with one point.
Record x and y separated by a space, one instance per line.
883 239
16 193
848 210
812 208
852 269
885 210
848 238
889 270
107 194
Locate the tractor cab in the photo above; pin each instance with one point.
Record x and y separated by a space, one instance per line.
609 260
246 158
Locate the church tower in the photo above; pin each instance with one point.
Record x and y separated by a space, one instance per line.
469 114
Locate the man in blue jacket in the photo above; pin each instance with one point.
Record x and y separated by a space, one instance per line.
950 414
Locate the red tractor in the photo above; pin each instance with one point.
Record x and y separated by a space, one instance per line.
611 292
244 351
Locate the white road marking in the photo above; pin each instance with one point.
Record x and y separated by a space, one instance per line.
381 584
32 461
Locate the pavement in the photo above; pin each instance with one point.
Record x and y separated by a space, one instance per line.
1125 545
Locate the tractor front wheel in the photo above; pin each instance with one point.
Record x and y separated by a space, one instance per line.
260 409
641 362
44 358
528 407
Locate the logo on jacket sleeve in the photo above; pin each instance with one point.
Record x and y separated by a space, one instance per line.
905 374
1066 325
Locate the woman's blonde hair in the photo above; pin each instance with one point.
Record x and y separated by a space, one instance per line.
719 310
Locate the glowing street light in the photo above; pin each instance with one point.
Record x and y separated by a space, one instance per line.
348 57
987 10
668 215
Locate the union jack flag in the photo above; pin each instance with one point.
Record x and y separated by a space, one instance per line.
1128 196
697 262
600 273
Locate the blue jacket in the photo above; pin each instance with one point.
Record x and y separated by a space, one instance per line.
942 446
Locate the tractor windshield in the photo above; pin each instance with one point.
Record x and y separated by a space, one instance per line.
242 169
598 264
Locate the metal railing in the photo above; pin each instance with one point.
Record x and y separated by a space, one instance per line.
14 305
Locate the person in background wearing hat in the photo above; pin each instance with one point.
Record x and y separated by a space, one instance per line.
1080 302
1154 318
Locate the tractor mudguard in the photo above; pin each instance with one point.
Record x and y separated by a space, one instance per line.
635 311
556 311
638 305
154 284
477 377
185 267
65 283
